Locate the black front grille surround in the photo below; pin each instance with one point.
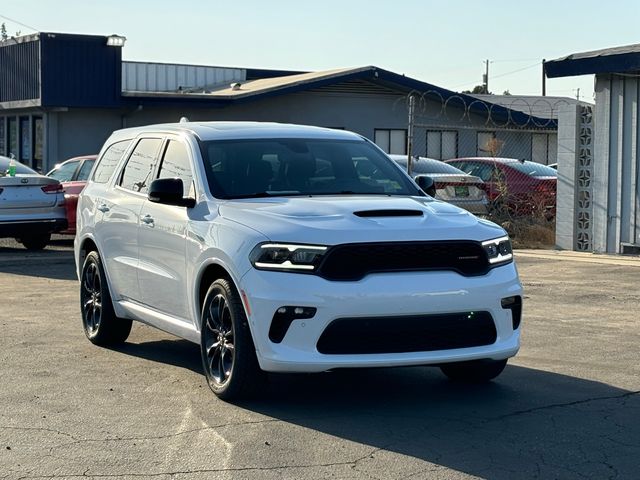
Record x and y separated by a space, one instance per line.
354 261
404 334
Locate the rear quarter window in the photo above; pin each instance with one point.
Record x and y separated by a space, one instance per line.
109 161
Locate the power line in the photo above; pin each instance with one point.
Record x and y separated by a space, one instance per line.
475 82
516 71
19 23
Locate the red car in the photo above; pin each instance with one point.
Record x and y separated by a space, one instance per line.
522 186
73 175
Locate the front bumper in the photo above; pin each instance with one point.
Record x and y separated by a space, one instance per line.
382 295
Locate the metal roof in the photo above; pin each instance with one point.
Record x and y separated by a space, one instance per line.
607 60
537 106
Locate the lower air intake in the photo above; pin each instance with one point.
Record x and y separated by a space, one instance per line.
416 333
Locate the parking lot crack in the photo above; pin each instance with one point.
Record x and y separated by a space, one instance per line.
175 473
159 437
563 405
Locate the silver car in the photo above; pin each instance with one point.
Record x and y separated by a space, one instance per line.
452 185
31 206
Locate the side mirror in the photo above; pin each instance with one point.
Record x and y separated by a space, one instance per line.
169 191
427 185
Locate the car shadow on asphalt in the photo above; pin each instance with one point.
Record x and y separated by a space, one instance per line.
179 353
526 424
54 265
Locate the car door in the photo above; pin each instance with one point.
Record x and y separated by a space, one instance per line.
163 240
120 208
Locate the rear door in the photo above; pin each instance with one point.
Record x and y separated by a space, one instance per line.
119 207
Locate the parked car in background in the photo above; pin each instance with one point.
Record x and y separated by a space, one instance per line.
452 185
73 174
521 186
287 248
31 205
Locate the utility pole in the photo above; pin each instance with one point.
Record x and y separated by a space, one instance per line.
544 80
578 94
412 106
485 77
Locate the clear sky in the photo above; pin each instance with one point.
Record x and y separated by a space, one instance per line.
443 43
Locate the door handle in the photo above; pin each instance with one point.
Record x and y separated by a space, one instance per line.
103 207
147 219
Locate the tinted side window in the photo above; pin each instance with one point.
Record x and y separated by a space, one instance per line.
85 170
175 164
64 173
137 173
107 164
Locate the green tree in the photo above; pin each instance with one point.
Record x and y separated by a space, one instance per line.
477 90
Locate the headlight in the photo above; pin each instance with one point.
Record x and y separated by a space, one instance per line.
287 257
498 250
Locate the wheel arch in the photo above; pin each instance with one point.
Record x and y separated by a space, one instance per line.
210 272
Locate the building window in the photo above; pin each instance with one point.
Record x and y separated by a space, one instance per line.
442 144
488 144
12 141
544 148
391 141
38 142
3 137
25 140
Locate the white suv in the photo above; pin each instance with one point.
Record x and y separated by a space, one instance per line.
283 248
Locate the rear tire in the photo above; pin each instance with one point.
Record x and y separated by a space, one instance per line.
228 353
477 371
99 321
36 242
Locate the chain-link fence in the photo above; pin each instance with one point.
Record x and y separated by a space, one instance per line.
466 126
482 126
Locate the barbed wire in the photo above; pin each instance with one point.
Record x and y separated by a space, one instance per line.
465 110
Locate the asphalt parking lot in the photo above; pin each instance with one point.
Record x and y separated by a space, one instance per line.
567 407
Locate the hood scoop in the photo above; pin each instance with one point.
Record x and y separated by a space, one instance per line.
388 213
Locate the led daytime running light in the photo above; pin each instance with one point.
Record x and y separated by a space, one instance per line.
498 257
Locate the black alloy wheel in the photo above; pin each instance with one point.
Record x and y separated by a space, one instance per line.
99 321
218 340
91 298
226 346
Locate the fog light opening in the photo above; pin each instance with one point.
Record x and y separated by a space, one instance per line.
515 305
284 316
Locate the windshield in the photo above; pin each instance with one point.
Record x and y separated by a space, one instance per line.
534 169
288 167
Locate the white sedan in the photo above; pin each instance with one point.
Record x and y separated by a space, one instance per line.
31 205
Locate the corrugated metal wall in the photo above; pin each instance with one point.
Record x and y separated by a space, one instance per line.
165 77
20 71
616 162
80 71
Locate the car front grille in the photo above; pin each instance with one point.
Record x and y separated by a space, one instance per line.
416 333
349 262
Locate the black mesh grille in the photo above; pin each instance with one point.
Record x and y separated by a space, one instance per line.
418 333
356 260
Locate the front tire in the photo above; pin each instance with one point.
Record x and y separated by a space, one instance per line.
36 242
99 321
477 371
227 349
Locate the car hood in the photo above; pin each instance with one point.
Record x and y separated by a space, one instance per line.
331 220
